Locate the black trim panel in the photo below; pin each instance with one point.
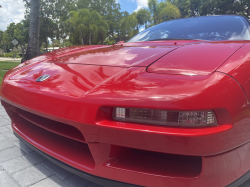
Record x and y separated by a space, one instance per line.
98 180
240 180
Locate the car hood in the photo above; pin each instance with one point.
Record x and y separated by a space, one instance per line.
65 80
200 58
182 58
119 56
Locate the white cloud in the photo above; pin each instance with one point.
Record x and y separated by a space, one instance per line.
11 11
141 4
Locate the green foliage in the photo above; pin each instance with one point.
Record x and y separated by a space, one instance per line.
110 12
88 26
6 66
212 7
65 44
153 7
102 22
1 39
166 11
163 11
7 55
21 34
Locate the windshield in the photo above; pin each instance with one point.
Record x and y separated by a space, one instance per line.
198 28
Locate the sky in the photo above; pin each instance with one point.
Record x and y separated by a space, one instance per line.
13 10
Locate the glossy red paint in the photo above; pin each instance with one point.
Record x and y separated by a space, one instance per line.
79 97
237 67
195 59
116 56
63 51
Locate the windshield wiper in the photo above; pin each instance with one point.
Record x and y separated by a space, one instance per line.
173 39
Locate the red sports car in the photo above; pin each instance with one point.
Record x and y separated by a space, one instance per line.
168 108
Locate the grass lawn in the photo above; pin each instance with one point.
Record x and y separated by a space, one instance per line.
6 66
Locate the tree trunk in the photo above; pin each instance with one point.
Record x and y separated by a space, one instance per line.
119 36
4 47
33 44
22 49
40 45
82 36
46 46
89 37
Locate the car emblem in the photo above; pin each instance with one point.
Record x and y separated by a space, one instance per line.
42 78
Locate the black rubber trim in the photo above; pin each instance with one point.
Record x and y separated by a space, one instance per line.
240 180
98 180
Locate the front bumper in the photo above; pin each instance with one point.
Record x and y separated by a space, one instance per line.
106 164
106 182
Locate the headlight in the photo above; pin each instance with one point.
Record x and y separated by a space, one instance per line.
166 118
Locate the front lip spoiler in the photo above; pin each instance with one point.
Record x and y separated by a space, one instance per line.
107 182
98 180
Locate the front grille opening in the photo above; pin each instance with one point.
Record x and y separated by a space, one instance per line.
52 126
196 160
75 153
155 163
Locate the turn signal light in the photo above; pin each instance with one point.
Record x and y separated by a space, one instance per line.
164 117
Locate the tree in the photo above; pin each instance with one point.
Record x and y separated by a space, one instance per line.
163 11
134 22
92 22
8 36
53 14
89 24
76 27
48 29
189 8
153 6
184 7
166 11
5 40
21 33
33 43
143 17
216 7
1 39
110 12
131 25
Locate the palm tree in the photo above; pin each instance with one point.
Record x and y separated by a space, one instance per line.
153 5
166 11
33 43
90 23
102 28
143 17
163 11
93 22
75 24
136 20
